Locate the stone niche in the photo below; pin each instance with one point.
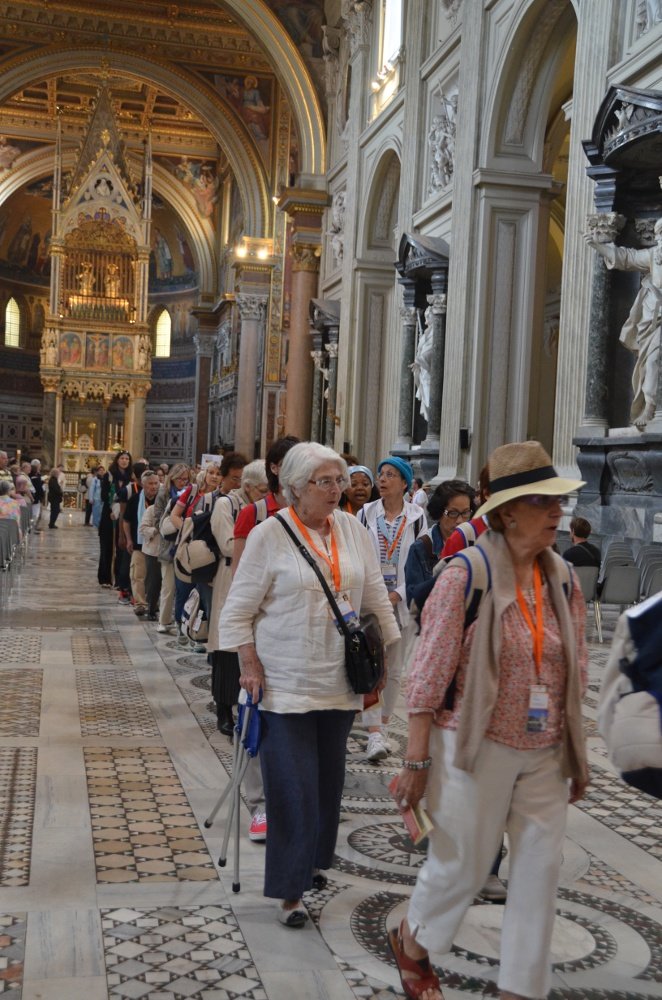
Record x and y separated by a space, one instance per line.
620 454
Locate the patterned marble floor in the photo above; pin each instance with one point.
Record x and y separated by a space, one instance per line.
109 888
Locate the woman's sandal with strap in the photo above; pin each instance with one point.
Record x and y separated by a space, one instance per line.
416 975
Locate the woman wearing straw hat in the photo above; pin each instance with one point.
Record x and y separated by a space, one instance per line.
509 752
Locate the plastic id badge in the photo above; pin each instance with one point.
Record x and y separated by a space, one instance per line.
538 712
390 576
347 611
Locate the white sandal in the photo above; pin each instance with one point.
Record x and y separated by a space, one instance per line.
296 917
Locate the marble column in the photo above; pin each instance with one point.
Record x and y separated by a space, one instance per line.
604 226
305 273
251 311
438 303
406 402
52 423
136 443
204 352
331 418
317 354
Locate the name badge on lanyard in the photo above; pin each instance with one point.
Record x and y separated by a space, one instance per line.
390 576
538 711
347 611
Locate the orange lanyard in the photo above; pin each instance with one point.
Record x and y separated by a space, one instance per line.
394 543
333 562
536 630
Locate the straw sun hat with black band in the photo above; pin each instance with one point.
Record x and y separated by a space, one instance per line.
520 470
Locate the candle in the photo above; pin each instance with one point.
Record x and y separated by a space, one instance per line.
76 430
69 434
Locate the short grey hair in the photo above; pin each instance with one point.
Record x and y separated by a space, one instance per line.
148 474
36 463
5 487
254 474
300 464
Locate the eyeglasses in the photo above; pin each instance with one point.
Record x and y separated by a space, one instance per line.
543 501
455 515
389 475
340 483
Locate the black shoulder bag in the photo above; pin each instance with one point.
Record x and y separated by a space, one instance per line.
364 646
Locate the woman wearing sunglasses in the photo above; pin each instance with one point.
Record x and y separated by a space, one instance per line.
509 752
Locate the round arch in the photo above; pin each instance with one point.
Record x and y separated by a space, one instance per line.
293 75
38 163
382 188
235 142
522 90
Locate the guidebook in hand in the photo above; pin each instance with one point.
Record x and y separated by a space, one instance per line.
415 818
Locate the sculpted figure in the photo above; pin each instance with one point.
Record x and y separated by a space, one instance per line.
641 330
86 278
422 366
112 280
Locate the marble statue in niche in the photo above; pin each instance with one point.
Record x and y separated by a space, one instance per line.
421 368
441 140
641 330
649 13
337 228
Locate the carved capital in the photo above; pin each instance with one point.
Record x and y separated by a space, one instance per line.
305 257
438 304
318 358
204 344
251 306
139 390
357 18
604 227
332 350
50 383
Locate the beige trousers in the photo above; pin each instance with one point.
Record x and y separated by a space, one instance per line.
167 602
137 576
522 792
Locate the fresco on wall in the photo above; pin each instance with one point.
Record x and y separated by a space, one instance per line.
97 350
122 352
200 177
252 97
71 349
236 221
303 21
25 233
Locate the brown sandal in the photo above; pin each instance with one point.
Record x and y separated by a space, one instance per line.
421 976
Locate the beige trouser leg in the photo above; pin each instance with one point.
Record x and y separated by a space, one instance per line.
137 577
167 592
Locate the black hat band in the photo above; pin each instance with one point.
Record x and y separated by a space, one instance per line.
522 479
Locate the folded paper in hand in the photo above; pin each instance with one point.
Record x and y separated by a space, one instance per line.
415 818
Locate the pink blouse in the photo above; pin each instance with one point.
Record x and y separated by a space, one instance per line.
443 651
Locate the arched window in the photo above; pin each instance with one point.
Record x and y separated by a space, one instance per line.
163 331
391 32
12 324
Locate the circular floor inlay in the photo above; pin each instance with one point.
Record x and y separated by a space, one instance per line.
480 934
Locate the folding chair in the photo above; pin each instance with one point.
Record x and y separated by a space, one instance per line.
246 745
588 581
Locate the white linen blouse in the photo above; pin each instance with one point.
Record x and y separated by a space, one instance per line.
276 601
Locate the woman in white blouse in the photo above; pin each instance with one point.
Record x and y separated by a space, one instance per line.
291 651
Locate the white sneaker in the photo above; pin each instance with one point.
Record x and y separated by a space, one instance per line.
389 745
376 749
164 629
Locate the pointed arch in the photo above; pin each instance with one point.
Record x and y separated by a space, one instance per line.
162 334
12 324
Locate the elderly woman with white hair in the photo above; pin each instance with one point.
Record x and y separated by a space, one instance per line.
290 651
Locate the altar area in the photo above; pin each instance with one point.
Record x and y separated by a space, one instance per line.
96 352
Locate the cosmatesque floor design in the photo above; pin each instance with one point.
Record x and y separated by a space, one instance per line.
110 761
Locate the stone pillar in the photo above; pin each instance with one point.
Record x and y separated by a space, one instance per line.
204 352
251 310
305 274
597 24
331 418
438 302
604 226
406 404
305 207
317 354
52 423
136 443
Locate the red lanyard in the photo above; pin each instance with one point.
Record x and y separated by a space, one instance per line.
536 630
333 562
394 543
